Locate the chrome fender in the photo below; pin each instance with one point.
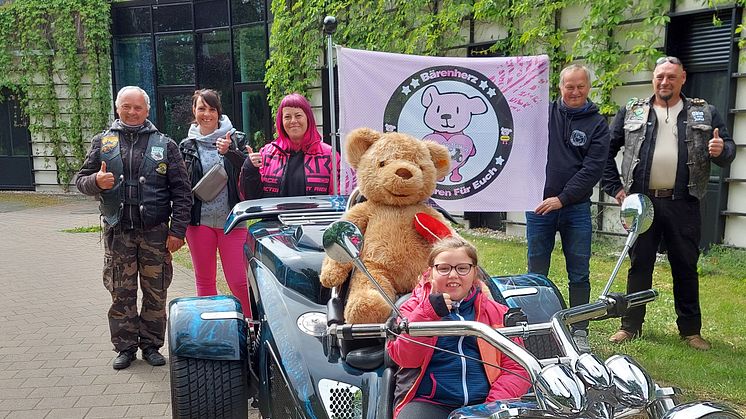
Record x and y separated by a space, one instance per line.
702 410
207 328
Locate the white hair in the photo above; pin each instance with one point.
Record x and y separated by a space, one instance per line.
126 89
573 67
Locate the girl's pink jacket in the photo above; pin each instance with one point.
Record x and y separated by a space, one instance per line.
414 359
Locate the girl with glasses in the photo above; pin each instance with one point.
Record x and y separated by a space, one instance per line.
432 383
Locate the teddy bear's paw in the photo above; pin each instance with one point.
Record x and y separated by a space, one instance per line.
332 273
367 308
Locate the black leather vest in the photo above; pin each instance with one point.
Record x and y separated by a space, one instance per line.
698 134
153 197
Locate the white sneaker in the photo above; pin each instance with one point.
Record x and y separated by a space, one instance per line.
581 340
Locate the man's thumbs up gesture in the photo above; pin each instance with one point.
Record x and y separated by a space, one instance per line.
104 179
715 146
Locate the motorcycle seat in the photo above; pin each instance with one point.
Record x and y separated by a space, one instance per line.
369 354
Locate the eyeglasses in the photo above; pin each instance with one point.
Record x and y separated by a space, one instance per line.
668 59
462 269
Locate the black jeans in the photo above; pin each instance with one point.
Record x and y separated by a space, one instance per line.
418 410
678 223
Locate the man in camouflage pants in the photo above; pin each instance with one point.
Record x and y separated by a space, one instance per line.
140 178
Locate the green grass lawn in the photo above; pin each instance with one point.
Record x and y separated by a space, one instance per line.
86 229
718 374
15 201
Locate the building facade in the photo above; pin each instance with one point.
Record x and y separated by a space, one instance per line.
707 43
173 47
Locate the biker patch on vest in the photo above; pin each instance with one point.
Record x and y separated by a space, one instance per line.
156 153
578 138
161 169
698 116
108 143
638 114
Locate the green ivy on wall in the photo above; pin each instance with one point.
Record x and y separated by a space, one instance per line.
610 38
55 57
422 27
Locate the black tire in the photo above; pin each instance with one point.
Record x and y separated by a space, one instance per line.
202 388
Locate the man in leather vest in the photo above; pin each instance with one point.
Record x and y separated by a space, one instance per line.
669 141
578 147
140 179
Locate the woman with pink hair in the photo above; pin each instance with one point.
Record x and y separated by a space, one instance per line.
296 163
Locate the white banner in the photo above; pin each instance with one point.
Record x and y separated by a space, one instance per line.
492 114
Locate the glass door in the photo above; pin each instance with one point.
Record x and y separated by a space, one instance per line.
16 165
175 111
253 116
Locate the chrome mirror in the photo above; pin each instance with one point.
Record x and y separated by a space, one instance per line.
636 213
343 241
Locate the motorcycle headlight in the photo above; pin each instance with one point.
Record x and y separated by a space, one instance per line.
341 400
561 390
601 410
634 387
593 372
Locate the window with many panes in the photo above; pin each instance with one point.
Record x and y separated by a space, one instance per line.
172 48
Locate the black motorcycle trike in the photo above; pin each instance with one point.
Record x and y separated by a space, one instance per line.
297 358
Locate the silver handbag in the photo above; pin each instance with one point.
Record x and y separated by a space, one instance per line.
211 183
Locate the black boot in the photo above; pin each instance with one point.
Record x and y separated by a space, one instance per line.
153 357
579 295
124 359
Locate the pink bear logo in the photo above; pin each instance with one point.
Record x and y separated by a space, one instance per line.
448 114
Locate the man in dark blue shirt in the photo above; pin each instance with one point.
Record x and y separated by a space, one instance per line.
578 147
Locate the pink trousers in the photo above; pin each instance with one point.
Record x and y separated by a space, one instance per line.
204 243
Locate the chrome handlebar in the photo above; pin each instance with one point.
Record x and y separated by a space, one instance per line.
613 305
561 386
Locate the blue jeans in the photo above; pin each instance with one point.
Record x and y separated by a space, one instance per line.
574 225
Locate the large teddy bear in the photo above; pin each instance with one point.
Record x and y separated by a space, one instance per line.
397 174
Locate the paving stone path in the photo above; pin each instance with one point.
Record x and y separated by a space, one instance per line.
55 354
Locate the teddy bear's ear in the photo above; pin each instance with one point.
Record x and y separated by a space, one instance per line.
441 157
358 142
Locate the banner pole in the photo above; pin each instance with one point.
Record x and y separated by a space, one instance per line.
330 25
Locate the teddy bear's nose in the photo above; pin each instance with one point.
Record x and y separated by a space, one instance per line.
404 173
446 116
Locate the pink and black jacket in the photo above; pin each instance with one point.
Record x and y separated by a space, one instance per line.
288 172
419 378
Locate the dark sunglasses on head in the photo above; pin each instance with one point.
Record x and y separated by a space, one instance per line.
669 59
